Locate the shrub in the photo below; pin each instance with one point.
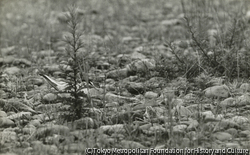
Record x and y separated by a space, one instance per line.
75 67
218 41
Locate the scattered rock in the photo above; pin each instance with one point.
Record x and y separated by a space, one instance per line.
233 145
185 142
112 104
50 129
35 81
95 92
145 127
227 103
142 66
131 145
50 97
7 60
179 128
152 113
49 149
18 105
6 122
161 146
35 122
232 131
222 136
29 129
248 16
8 153
245 87
36 143
25 144
217 91
20 115
74 147
103 65
193 125
151 95
3 94
52 68
148 103
3 114
209 116
190 97
245 133
170 22
7 51
22 62
109 97
116 128
228 123
46 53
129 39
156 128
119 73
155 82
177 102
240 119
136 55
181 111
243 99
12 70
135 88
8 136
46 107
85 123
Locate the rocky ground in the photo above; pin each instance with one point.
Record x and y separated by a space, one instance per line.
142 100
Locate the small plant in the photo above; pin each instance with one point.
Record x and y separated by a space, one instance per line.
75 67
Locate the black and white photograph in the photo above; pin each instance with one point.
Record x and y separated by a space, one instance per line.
129 77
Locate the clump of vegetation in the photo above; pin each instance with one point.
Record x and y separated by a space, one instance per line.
217 41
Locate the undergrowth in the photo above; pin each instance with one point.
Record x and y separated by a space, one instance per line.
217 42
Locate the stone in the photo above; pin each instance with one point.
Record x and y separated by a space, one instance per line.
151 95
50 97
217 91
12 70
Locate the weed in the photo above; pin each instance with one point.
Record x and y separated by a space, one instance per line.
75 67
219 45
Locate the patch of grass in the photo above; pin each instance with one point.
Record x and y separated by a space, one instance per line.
218 37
